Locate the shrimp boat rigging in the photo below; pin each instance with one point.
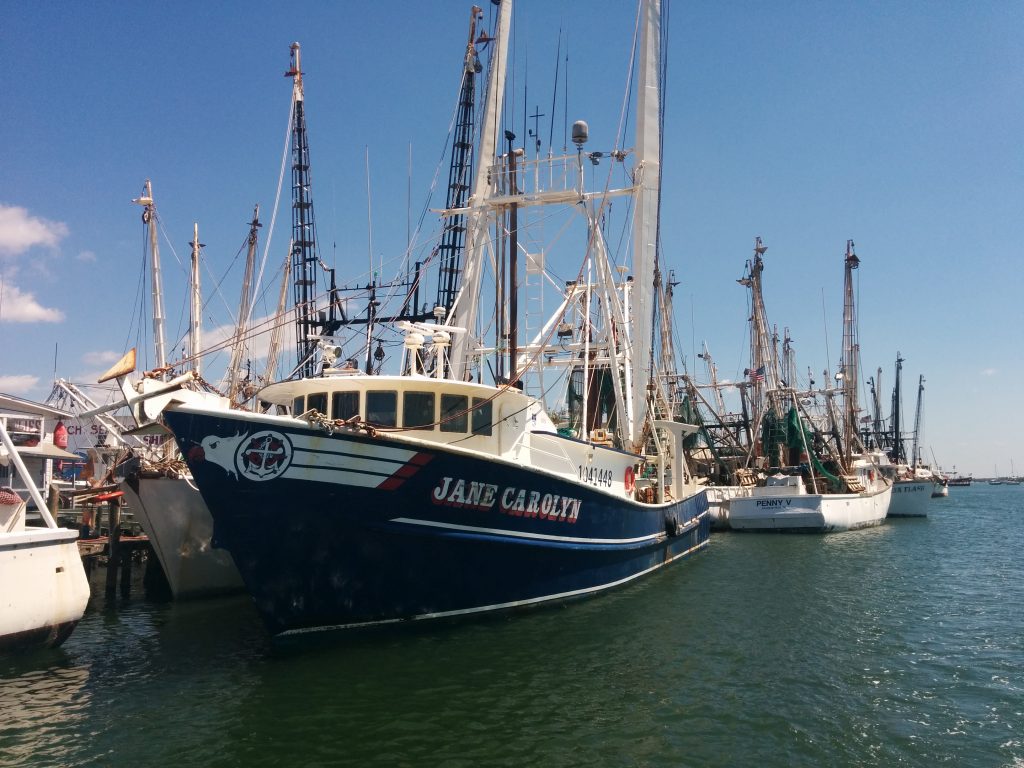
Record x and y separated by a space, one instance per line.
913 483
432 493
844 490
156 482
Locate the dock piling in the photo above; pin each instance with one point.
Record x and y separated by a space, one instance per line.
114 541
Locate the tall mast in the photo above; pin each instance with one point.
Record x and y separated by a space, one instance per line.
667 357
467 302
459 172
763 372
875 383
645 227
513 258
788 360
195 304
915 450
851 351
716 391
898 454
305 259
274 347
149 218
243 307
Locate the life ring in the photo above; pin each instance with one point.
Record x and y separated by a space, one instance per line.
629 480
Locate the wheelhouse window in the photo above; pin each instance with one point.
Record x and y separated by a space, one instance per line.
481 416
344 405
454 413
418 410
382 408
298 406
317 402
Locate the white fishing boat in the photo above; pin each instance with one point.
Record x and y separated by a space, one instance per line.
719 455
784 503
720 499
155 480
912 490
180 529
43 588
159 490
844 490
728 460
914 484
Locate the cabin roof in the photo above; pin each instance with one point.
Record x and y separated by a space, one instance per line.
10 403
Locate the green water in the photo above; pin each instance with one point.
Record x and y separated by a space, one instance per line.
897 646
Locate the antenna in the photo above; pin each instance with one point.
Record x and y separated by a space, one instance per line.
369 209
554 93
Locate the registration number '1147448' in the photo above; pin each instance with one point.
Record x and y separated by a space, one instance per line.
596 476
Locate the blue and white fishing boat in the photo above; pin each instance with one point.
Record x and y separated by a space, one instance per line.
367 498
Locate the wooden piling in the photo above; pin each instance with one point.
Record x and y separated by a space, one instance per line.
127 556
53 500
114 541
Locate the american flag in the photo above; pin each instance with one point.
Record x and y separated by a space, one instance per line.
757 375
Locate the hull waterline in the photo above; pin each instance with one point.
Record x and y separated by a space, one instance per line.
44 588
910 498
811 513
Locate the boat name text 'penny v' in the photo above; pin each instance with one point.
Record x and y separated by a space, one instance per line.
774 502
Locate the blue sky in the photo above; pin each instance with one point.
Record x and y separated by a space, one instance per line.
895 124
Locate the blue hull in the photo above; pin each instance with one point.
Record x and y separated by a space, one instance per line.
345 530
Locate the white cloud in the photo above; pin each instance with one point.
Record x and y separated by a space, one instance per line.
18 385
989 371
86 256
20 231
99 358
21 307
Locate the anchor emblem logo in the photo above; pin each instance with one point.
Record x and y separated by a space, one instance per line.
264 456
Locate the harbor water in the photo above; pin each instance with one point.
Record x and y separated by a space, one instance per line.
901 645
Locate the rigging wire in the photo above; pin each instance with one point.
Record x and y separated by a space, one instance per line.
274 209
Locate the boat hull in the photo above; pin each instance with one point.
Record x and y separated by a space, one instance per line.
44 587
719 497
910 498
362 530
811 513
180 530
